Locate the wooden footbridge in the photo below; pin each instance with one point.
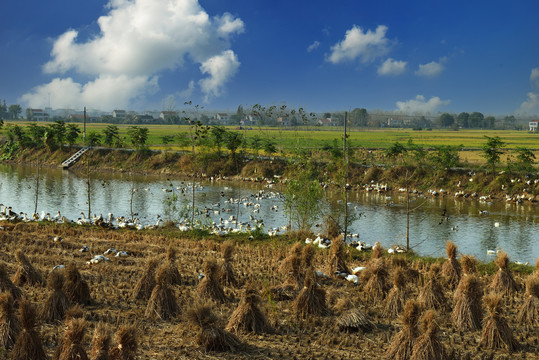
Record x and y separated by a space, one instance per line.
73 159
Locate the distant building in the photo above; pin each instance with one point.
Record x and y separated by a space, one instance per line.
80 118
119 114
168 114
533 125
37 115
394 122
325 122
144 118
222 118
283 121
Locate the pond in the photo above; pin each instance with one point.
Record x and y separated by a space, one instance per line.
381 217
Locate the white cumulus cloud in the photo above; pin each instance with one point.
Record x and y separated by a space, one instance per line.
419 105
137 40
431 69
392 67
534 77
531 105
357 44
220 69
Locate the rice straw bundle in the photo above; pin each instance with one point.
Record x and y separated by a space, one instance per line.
248 317
428 346
209 287
162 303
337 263
212 337
451 269
354 320
75 287
9 324
432 294
144 286
503 281
311 299
468 264
377 285
467 313
496 333
7 285
100 343
26 273
28 344
377 251
172 273
227 276
402 344
529 312
308 256
57 304
397 296
127 344
71 345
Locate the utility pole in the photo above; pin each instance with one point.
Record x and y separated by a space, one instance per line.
84 129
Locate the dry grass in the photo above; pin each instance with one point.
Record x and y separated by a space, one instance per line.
354 320
337 262
162 303
248 317
7 285
145 284
311 299
126 344
26 273
467 312
496 332
211 336
377 285
529 311
403 342
432 294
75 287
71 347
451 269
10 327
503 281
28 344
209 287
396 299
100 343
227 276
428 346
57 304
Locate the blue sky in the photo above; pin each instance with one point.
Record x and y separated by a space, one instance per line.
420 56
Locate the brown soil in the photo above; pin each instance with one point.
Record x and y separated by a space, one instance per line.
316 337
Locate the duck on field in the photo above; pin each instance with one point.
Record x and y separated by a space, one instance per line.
58 216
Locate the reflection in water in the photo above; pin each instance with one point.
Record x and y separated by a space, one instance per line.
383 218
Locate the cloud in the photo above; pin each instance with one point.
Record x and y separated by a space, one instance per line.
138 39
534 77
107 91
365 46
531 105
313 46
431 69
220 69
187 93
392 67
419 105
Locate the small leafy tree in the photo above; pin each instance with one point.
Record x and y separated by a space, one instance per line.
492 151
14 111
233 141
218 134
302 198
167 139
269 147
72 133
419 153
138 137
395 151
59 132
525 160
93 139
256 144
111 136
36 134
445 156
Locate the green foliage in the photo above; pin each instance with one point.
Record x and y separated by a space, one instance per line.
72 133
93 138
269 147
525 160
233 141
418 152
167 139
218 136
58 132
335 149
302 198
446 120
395 150
14 111
256 144
445 156
491 150
138 137
36 134
111 136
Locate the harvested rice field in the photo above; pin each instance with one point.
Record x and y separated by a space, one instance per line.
173 298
